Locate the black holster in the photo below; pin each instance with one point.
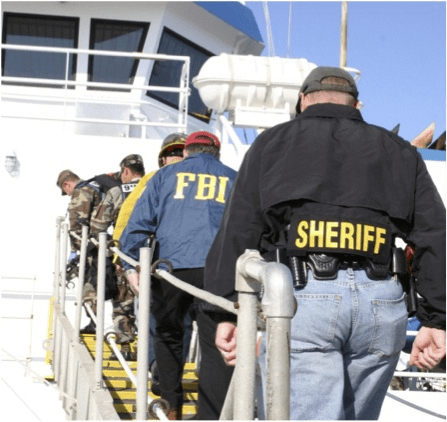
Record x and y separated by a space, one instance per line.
412 297
399 269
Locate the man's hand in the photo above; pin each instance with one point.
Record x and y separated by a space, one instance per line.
428 348
226 335
134 282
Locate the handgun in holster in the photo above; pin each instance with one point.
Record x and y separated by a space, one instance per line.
399 269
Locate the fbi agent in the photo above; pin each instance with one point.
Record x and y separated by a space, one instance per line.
327 195
182 205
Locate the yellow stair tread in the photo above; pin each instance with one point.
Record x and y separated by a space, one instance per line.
127 384
131 395
122 374
115 364
122 389
188 409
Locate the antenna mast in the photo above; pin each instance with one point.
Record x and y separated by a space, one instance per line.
271 46
344 34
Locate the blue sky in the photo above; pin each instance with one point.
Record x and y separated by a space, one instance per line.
399 47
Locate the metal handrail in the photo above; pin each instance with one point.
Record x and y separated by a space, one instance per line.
419 374
230 132
140 382
252 276
153 56
72 365
73 95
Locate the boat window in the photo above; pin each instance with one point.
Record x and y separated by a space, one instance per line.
167 73
39 30
115 36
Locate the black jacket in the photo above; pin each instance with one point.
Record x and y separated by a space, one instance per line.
329 161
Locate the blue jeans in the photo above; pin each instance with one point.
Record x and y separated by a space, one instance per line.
345 343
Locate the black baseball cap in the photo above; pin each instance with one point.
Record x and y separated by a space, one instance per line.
313 82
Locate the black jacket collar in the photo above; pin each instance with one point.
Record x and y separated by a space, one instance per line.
332 110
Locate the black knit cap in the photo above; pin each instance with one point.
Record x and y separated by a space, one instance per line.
313 82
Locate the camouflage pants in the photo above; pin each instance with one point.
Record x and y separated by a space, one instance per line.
123 313
89 295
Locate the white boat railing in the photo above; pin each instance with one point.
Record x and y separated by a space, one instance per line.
29 317
72 365
253 275
80 94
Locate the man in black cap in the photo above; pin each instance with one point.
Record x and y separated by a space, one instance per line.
330 193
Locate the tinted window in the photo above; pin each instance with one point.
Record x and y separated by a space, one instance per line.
39 30
115 36
167 73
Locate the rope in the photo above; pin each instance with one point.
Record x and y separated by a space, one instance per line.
225 304
124 257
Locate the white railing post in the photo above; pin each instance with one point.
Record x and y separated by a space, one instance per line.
245 371
67 63
229 131
144 297
183 95
81 279
56 328
57 260
63 268
279 306
53 346
100 302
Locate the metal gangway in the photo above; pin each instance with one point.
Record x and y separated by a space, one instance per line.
79 378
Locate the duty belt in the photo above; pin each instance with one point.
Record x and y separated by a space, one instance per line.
326 266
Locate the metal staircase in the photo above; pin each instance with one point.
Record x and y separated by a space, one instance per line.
123 391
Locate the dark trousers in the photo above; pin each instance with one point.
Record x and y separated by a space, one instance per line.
214 374
187 325
170 306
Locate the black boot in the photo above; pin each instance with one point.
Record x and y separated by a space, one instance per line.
90 328
127 352
155 384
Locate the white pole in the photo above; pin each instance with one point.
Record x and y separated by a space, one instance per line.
81 277
144 297
100 301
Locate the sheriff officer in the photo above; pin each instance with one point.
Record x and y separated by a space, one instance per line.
331 192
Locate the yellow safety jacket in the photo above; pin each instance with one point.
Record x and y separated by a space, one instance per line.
128 204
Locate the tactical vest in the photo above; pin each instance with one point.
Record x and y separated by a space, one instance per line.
101 183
